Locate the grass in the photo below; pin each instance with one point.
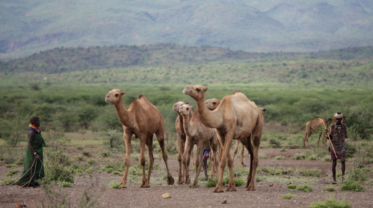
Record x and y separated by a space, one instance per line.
8 181
287 196
66 184
309 172
331 203
291 186
10 165
352 186
12 172
304 188
212 182
329 188
115 186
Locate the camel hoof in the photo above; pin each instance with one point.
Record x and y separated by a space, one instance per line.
218 190
170 180
180 181
145 186
243 165
195 184
187 181
250 188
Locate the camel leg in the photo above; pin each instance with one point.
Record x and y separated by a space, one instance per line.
242 151
214 158
127 161
235 150
181 145
249 147
186 158
199 157
160 138
256 136
149 144
142 162
191 156
318 141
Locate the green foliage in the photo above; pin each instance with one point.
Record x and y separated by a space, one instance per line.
65 184
114 139
86 153
115 186
331 203
274 143
275 171
10 165
309 172
283 150
8 181
86 116
305 188
12 172
287 196
291 186
352 186
329 188
212 182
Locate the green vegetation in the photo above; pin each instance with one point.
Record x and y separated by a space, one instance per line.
331 203
309 172
212 182
329 188
304 188
291 186
65 184
115 186
12 172
287 196
8 181
10 165
352 186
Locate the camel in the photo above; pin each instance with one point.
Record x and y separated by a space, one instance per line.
236 117
142 119
197 134
262 110
181 138
315 125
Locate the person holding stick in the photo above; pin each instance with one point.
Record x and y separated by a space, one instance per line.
337 134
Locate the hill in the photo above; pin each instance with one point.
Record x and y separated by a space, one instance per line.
256 26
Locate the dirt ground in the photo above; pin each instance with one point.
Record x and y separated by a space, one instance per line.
266 194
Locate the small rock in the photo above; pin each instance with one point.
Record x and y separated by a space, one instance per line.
224 201
166 195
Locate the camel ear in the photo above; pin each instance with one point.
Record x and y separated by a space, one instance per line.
205 89
122 93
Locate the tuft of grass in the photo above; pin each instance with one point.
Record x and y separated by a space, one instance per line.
352 186
312 157
8 181
10 165
298 156
104 154
115 186
80 148
331 203
274 143
287 196
305 188
329 188
12 172
80 157
279 158
291 186
65 184
309 172
86 153
283 150
116 172
212 182
327 159
91 162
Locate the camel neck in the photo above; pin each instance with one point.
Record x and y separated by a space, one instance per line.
187 127
207 118
123 114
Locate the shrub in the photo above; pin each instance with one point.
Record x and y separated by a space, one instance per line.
291 186
65 184
299 156
283 150
312 157
260 178
86 153
104 154
279 158
309 172
80 148
91 162
10 165
305 188
287 196
352 186
329 188
114 139
12 172
115 186
8 181
274 143
331 203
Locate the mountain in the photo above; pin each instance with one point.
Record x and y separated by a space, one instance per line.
256 26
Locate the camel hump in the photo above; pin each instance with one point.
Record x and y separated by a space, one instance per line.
141 95
234 91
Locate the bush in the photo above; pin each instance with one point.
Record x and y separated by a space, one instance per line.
86 153
115 186
291 186
287 196
274 143
86 115
305 188
279 158
352 186
8 181
65 184
283 150
10 165
329 188
309 172
299 156
212 182
114 139
331 203
12 172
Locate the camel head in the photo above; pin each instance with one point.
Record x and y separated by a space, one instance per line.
212 104
197 92
114 96
262 110
177 106
185 109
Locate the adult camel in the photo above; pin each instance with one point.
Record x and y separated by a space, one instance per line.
315 124
142 119
236 117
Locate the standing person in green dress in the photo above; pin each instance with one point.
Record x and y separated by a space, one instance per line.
33 168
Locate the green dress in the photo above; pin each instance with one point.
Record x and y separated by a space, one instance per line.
35 172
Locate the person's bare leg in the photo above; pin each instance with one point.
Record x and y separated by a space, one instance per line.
334 172
343 169
205 167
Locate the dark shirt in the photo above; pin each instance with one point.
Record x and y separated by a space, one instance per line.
338 134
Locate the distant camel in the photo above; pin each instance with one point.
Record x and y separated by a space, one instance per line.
313 126
242 147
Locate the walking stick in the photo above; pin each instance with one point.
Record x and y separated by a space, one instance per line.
331 144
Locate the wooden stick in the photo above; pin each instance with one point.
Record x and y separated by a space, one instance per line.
331 144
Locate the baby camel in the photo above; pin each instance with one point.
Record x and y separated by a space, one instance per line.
143 120
197 133
236 117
